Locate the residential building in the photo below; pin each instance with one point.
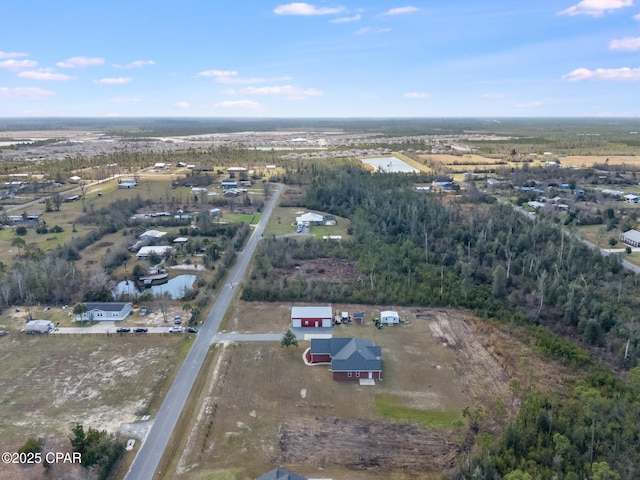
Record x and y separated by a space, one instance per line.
350 358
105 312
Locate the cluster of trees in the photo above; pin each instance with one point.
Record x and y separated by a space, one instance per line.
100 451
591 432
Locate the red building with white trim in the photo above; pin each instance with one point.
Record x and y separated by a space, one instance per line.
311 317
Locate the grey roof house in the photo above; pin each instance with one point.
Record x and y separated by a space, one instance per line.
351 358
280 474
105 312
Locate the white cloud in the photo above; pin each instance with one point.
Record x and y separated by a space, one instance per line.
114 81
288 91
624 73
13 54
305 9
24 93
596 8
125 100
136 64
417 95
528 105
230 77
182 105
218 73
372 31
402 10
629 44
80 62
238 104
637 17
44 75
355 18
12 64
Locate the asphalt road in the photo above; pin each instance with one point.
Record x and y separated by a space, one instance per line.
145 465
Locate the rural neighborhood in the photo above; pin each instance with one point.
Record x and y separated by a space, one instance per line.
442 305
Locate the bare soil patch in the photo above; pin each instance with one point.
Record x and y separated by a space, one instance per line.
359 444
322 269
51 382
291 197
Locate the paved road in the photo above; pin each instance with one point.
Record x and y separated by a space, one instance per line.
145 465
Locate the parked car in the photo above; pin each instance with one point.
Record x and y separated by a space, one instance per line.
141 330
177 320
192 330
123 330
175 330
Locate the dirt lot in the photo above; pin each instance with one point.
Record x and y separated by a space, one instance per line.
49 383
263 407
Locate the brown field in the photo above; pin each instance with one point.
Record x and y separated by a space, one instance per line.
50 383
262 407
473 162
591 160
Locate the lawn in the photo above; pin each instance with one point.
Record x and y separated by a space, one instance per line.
283 222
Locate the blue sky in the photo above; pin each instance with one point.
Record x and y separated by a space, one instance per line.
367 58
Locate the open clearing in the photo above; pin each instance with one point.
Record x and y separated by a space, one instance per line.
50 383
262 407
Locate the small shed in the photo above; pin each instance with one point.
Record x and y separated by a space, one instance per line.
389 317
358 317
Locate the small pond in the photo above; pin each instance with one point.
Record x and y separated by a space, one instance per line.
175 287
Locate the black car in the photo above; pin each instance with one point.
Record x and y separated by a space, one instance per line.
141 330
123 330
192 330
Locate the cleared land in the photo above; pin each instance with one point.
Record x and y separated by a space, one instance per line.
262 407
50 383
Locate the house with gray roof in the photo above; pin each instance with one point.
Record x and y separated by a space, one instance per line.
350 358
280 474
105 312
631 237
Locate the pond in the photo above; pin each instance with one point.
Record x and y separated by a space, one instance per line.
390 165
176 287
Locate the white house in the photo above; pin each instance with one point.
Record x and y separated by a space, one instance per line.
630 198
152 234
310 219
389 317
631 237
127 183
105 312
145 252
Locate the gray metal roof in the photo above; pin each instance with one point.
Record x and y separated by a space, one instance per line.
349 354
312 312
632 235
105 306
280 474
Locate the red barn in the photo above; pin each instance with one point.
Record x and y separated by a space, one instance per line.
351 358
314 317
